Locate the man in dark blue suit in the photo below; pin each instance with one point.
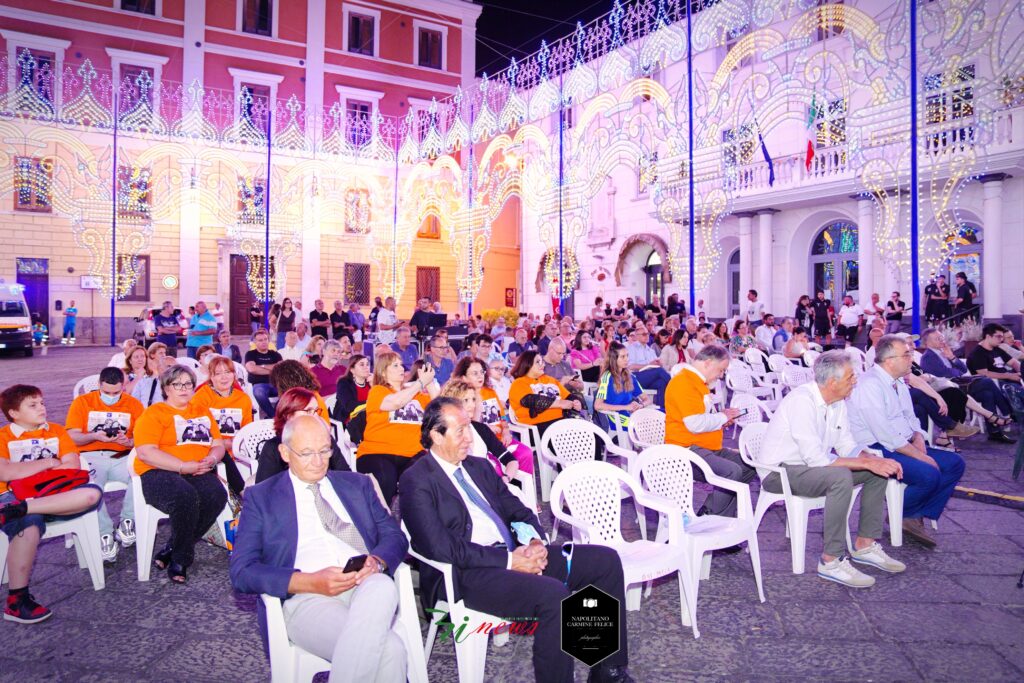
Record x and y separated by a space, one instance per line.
458 511
297 532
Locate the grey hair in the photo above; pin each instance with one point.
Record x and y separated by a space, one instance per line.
173 373
830 365
927 334
884 347
788 320
712 353
298 422
404 328
331 344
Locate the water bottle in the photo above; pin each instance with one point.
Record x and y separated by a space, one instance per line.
686 520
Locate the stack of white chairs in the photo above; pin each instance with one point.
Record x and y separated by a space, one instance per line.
291 664
570 441
592 492
667 471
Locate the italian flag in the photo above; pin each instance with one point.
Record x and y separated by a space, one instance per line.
812 114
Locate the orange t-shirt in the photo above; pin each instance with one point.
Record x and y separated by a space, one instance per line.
231 412
90 414
52 441
324 413
686 395
491 411
524 386
186 434
395 432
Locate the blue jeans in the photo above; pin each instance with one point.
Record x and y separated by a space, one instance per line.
69 328
928 489
263 393
657 379
16 526
986 392
280 339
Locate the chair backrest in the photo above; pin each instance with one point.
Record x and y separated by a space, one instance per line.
242 374
190 363
751 439
85 385
777 362
647 427
756 360
810 355
592 491
330 400
859 361
754 407
794 375
666 470
572 440
738 380
250 439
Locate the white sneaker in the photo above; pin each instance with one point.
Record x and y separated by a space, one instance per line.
876 557
125 533
841 571
108 548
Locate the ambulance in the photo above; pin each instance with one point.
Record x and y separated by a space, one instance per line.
15 320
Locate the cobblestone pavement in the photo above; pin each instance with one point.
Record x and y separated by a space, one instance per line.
955 615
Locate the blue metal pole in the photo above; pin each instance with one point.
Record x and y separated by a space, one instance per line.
470 168
113 233
915 265
394 228
689 151
561 185
266 229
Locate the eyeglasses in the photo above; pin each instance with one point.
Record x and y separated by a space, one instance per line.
181 386
325 454
441 348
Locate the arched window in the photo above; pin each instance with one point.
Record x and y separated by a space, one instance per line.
965 250
655 278
834 265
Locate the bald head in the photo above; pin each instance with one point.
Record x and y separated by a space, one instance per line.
306 447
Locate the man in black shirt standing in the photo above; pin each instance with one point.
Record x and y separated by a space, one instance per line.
258 363
819 307
965 293
341 324
420 320
255 316
319 321
936 296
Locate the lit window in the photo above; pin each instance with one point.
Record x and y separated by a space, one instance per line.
133 192
33 179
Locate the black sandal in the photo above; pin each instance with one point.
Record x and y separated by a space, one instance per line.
997 421
943 442
162 560
176 573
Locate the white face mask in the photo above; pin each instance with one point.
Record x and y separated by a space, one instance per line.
110 400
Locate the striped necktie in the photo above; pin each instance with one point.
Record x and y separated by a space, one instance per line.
346 532
481 502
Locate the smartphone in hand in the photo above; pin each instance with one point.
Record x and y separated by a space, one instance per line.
354 564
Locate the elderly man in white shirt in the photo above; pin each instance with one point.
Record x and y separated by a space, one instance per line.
882 416
850 319
810 437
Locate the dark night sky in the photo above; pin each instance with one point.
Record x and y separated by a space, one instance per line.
508 28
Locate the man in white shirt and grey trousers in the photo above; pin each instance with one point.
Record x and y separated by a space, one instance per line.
810 437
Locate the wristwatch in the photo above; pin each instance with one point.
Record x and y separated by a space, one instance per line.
382 566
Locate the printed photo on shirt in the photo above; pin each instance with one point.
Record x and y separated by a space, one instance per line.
490 413
545 389
25 450
195 430
111 424
410 413
229 420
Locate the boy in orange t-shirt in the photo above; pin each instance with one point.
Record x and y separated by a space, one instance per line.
102 425
30 445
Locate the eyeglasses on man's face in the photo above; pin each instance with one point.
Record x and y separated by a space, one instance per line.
324 454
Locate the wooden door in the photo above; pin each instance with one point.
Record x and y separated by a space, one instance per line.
241 297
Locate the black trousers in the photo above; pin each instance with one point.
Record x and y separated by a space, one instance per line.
386 469
847 333
192 503
514 595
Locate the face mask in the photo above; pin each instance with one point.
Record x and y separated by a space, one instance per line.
110 400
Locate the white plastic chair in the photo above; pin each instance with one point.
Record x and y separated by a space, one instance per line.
777 362
592 491
471 653
795 375
757 361
809 356
83 532
249 440
530 436
289 663
85 385
190 363
757 411
570 441
618 432
799 507
148 517
647 428
241 373
667 471
330 400
739 381
860 361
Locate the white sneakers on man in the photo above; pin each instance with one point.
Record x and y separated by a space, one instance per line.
125 533
876 557
841 571
108 547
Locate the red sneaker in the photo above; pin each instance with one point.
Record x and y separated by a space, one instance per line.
25 610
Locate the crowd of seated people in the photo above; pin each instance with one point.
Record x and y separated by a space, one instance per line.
414 416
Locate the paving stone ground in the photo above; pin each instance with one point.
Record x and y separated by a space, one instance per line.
955 615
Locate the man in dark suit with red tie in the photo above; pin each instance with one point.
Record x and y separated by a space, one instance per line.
458 511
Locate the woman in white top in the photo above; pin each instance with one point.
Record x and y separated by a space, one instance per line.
797 344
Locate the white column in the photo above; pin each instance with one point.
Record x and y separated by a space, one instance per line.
468 50
746 254
992 255
188 245
315 43
193 37
866 246
311 245
764 258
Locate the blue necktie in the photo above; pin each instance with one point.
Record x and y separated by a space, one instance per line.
481 503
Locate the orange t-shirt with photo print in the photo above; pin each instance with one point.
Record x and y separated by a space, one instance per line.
186 434
52 441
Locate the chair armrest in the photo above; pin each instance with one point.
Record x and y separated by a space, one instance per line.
673 513
619 451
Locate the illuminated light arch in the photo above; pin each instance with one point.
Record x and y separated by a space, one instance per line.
843 17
